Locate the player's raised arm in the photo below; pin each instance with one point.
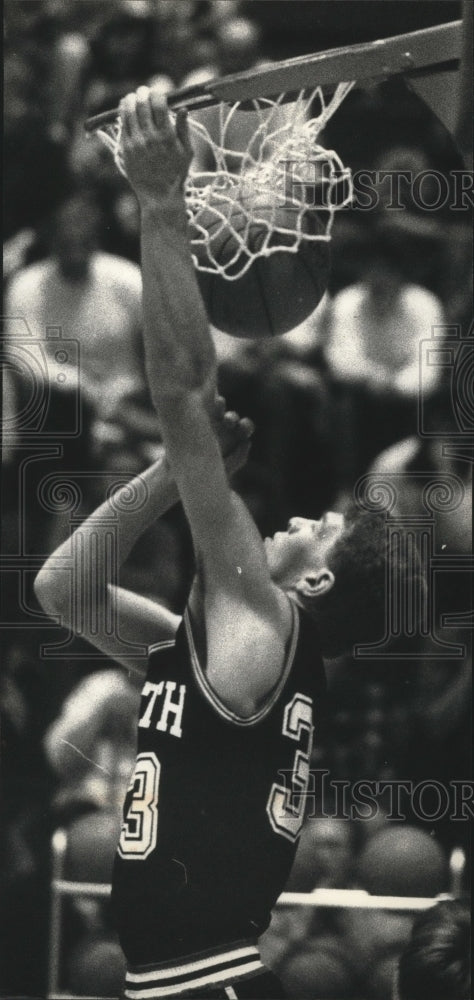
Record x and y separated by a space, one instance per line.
179 349
82 590
181 369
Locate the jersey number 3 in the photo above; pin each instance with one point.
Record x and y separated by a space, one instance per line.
140 829
285 806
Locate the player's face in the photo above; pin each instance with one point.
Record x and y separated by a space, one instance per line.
303 548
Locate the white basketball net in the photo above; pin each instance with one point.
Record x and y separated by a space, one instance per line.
281 176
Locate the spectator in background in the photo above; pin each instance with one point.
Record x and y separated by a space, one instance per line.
238 44
413 459
95 299
124 50
91 748
436 961
374 332
70 65
34 178
397 860
438 695
376 325
320 972
325 855
91 745
26 792
303 945
407 184
420 455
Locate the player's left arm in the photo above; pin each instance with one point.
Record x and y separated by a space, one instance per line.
79 585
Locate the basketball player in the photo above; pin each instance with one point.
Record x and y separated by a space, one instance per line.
235 687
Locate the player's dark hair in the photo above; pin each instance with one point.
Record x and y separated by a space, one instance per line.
436 961
355 609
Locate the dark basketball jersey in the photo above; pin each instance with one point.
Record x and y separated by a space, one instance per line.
215 805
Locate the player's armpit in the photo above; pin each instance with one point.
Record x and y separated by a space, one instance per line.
239 658
244 677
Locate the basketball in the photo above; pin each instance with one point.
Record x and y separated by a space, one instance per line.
277 292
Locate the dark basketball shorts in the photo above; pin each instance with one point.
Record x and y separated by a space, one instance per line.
232 972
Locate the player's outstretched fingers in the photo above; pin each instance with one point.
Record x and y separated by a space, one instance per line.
159 110
128 115
144 111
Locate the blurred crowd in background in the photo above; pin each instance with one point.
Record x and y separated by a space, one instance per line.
325 414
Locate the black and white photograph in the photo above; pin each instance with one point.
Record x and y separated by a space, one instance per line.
236 560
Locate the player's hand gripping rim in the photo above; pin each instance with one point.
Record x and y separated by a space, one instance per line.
156 152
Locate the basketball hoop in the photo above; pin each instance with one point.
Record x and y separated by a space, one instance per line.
282 167
283 161
263 210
